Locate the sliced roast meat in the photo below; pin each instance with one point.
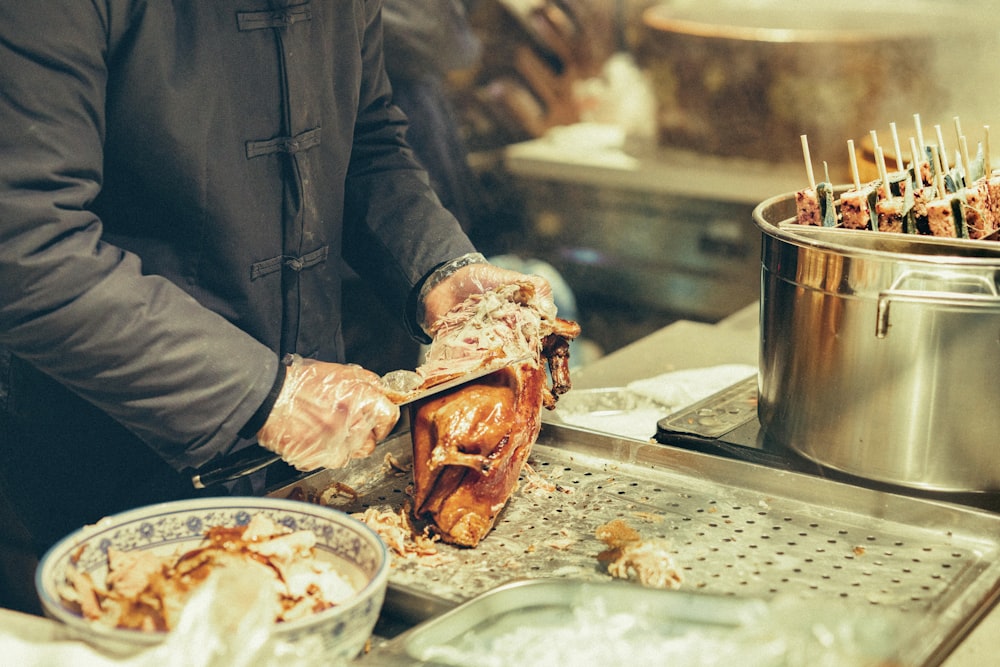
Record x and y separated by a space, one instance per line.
470 444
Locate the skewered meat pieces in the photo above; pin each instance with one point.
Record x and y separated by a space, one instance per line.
944 216
891 214
993 189
922 196
857 208
815 206
807 208
976 210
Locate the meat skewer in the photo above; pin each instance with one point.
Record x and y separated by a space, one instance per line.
814 205
900 179
944 214
922 166
857 206
896 182
992 181
883 187
923 193
976 207
890 210
807 206
853 157
932 195
952 177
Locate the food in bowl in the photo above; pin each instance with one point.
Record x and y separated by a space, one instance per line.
147 591
166 530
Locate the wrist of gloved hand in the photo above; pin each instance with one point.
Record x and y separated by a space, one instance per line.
440 275
326 414
457 283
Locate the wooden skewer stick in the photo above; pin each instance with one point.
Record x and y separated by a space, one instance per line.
958 129
938 172
896 147
882 171
918 159
920 133
942 153
809 165
826 172
987 166
854 164
967 167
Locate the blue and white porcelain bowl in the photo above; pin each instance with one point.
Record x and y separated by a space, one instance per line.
337 633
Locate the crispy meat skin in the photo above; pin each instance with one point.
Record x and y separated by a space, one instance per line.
470 444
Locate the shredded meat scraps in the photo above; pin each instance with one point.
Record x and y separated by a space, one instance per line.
146 591
506 323
393 466
630 557
534 482
400 535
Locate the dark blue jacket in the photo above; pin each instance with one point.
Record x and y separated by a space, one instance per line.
178 181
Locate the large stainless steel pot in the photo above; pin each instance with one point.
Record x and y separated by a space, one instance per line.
884 364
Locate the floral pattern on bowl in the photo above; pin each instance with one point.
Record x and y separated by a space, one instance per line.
168 528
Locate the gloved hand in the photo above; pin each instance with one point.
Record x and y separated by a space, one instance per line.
326 414
472 274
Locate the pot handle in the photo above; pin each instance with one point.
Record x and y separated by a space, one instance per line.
970 292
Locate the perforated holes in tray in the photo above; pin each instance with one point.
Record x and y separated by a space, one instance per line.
726 540
733 541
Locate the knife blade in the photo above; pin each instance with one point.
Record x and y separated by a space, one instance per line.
401 394
402 389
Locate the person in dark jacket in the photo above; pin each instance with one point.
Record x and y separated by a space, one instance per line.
178 183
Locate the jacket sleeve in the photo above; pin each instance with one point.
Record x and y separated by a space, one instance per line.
396 230
179 376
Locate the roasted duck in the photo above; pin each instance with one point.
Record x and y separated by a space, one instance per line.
470 444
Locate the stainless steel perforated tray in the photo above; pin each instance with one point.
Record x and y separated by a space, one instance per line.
736 529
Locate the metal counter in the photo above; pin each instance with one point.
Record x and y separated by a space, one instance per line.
736 529
735 340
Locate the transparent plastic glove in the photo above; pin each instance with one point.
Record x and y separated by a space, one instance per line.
471 274
327 414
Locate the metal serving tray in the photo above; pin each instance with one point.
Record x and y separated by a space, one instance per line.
737 529
617 624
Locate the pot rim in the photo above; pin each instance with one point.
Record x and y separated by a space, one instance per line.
872 244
